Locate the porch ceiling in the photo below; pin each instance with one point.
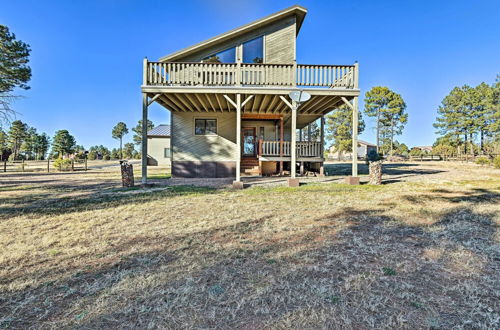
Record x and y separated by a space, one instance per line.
260 103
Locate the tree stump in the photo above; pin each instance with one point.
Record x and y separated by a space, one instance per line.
375 169
127 174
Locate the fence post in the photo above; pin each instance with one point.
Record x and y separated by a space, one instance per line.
85 163
72 164
5 165
22 165
48 164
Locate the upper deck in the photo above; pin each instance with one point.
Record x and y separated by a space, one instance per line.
249 75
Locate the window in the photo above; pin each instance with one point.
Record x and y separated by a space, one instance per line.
166 152
205 126
253 51
226 56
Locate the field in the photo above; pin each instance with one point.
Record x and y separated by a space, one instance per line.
421 251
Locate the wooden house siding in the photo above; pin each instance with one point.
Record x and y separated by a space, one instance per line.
190 147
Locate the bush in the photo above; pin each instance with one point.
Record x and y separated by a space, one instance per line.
496 162
62 164
482 161
373 156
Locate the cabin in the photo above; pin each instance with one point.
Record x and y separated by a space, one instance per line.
238 100
159 146
364 148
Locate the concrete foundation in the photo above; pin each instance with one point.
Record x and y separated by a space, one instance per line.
293 182
354 180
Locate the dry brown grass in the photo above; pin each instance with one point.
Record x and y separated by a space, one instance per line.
420 252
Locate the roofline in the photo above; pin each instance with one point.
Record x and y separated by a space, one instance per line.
159 136
299 11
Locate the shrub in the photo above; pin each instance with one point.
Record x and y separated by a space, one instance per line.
482 160
496 162
62 164
373 156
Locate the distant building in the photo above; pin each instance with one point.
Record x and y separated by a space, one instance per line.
363 150
426 149
159 152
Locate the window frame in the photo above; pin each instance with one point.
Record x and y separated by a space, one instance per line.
205 119
169 153
221 51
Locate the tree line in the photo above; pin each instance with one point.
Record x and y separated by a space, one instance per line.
469 120
22 142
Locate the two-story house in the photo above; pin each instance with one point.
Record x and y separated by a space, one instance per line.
230 104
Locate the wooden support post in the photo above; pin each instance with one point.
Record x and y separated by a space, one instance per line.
144 150
22 165
85 163
301 168
322 149
355 137
72 164
293 147
48 164
5 165
238 137
281 145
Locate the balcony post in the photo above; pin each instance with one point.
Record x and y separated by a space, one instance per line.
145 71
144 158
356 75
281 144
294 74
322 147
355 137
237 183
293 147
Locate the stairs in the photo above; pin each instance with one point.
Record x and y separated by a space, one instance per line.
249 166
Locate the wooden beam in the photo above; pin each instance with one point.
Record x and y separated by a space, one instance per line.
219 103
179 102
153 99
281 144
144 151
293 147
347 103
203 104
271 105
264 103
230 101
238 137
169 104
355 137
264 116
210 101
286 101
246 100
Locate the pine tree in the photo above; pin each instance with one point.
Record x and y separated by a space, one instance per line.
118 132
138 131
17 134
339 128
388 108
63 143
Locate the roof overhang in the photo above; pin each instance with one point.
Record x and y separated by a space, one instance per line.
299 12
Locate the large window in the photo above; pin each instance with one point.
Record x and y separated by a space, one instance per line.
226 56
253 51
205 126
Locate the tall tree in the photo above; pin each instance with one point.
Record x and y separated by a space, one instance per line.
14 69
128 150
138 131
339 128
118 132
28 146
41 146
4 152
17 134
388 108
63 143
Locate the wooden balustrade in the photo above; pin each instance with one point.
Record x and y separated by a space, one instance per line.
304 149
234 74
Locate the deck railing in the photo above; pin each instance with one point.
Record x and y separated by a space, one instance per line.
240 74
304 148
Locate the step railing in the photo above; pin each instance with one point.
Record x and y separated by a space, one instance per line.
243 74
304 148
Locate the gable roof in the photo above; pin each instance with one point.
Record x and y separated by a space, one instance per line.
299 11
160 130
366 143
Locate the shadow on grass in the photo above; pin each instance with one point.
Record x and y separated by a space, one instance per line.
353 268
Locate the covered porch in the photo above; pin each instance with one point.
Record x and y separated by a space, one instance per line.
227 93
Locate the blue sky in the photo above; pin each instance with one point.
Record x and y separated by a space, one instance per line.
87 55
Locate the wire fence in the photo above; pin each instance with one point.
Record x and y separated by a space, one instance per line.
42 166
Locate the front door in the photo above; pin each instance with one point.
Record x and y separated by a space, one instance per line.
249 141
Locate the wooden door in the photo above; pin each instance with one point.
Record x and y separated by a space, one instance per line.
249 144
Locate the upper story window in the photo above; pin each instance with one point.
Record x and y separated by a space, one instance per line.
253 51
226 56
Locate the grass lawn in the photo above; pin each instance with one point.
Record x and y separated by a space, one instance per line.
421 251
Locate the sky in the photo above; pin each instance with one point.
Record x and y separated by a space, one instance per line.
87 55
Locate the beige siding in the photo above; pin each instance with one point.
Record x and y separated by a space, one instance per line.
156 150
190 147
279 44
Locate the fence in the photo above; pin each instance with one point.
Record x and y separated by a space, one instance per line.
41 166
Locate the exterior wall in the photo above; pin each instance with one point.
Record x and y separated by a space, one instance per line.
279 43
156 150
205 155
